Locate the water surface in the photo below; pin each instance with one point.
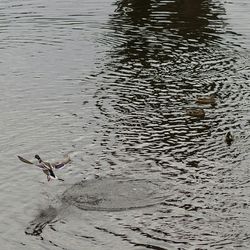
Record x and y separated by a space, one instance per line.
111 82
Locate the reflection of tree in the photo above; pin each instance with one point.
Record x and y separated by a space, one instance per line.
136 11
130 20
155 29
188 16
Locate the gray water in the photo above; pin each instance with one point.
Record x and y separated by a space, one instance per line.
110 82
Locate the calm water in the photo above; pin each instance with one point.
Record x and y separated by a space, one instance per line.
110 82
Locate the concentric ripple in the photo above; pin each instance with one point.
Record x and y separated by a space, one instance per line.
113 194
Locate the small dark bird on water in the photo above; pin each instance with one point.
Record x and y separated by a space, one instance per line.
229 138
206 100
47 167
196 112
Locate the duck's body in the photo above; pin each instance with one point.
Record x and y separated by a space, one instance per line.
206 100
47 167
197 112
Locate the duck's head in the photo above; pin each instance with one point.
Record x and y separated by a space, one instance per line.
38 157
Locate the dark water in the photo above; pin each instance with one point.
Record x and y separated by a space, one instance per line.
111 82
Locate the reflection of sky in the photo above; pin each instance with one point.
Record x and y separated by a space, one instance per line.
237 14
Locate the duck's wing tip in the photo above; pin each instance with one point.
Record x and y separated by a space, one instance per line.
62 163
24 160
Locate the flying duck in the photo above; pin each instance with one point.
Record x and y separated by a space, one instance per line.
47 167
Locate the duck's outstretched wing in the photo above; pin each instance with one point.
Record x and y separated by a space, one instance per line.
24 160
29 162
62 163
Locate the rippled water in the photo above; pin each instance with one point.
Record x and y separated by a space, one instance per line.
111 83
